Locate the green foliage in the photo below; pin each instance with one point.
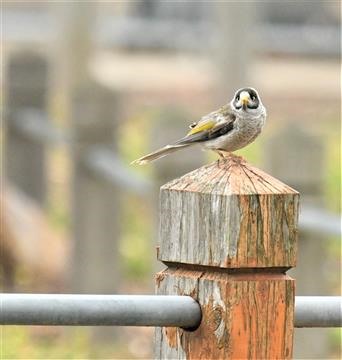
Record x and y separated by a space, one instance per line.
333 171
335 343
19 342
58 216
136 241
133 139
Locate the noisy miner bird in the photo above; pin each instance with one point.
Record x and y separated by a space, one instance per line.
227 129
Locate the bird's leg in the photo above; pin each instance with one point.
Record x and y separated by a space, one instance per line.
225 154
221 155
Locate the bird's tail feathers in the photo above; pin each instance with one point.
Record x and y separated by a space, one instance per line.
168 149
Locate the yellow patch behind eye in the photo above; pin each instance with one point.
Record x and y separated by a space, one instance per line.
202 127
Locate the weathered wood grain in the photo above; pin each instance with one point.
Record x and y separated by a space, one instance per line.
244 316
228 214
228 233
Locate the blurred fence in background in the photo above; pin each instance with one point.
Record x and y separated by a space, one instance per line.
99 174
306 28
100 177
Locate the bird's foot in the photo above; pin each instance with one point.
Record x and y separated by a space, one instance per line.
223 156
236 158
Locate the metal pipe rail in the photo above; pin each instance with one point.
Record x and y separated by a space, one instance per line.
141 310
318 311
115 310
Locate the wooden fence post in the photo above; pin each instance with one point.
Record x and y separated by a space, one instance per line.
232 61
228 234
27 80
96 204
170 125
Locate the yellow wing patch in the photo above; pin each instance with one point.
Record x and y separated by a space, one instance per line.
206 125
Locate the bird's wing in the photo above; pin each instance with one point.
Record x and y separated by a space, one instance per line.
215 124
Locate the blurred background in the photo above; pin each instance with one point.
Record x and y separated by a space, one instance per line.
90 86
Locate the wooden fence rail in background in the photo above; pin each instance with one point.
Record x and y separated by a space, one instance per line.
228 234
27 78
98 177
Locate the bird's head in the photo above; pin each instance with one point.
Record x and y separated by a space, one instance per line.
247 100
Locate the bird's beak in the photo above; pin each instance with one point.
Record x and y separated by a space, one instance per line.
244 98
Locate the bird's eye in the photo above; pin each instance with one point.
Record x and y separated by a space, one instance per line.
237 97
253 97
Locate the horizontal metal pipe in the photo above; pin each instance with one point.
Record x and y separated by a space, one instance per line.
318 311
118 310
141 310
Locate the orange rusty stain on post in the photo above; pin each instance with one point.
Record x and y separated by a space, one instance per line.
208 341
242 317
171 335
159 277
228 235
259 318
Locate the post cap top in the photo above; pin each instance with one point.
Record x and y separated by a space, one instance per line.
231 176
